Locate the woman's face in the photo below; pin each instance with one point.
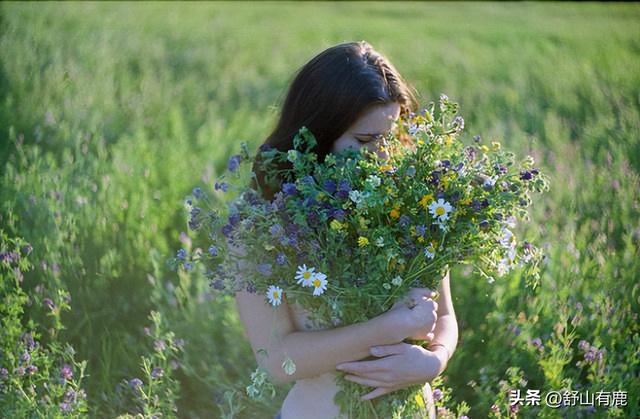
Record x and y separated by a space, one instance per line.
369 129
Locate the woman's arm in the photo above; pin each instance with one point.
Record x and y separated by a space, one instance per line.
402 364
271 330
446 331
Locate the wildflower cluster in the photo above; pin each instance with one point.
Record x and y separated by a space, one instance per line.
345 238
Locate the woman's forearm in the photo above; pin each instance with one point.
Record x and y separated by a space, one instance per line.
317 352
445 338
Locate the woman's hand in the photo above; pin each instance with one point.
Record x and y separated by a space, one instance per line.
415 314
400 365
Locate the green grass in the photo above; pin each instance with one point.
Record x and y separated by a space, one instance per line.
111 112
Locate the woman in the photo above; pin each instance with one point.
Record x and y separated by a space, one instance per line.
347 96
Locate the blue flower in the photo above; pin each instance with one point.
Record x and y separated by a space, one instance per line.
213 251
223 186
227 229
329 186
339 214
188 266
404 220
281 258
234 162
181 254
197 192
276 230
234 219
421 230
526 175
477 138
289 189
344 185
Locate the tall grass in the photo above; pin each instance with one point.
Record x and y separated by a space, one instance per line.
111 112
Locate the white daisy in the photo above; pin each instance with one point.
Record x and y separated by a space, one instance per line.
379 242
274 295
440 209
304 275
430 252
397 281
319 283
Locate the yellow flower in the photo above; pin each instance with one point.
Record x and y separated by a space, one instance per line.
495 145
420 400
385 168
395 212
420 142
336 225
420 239
363 241
448 140
484 148
426 200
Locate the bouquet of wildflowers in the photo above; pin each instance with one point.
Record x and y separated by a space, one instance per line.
345 238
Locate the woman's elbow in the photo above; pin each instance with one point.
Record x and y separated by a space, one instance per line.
277 373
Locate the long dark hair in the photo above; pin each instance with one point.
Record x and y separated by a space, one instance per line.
329 94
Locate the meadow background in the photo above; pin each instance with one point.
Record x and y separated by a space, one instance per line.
110 113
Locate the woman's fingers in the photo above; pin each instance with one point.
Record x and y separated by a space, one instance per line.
361 367
366 381
380 391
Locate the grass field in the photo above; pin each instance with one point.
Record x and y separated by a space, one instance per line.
110 113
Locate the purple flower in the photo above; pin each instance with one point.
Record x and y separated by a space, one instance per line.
330 186
421 230
135 383
48 303
65 407
157 372
590 355
223 186
344 185
276 230
181 254
227 229
188 266
537 343
264 269
66 372
197 192
281 258
213 251
27 339
234 219
251 288
234 163
404 220
31 369
526 175
289 189
437 394
159 345
583 345
25 357
217 284
4 373
477 138
499 169
338 214
19 371
458 121
264 147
